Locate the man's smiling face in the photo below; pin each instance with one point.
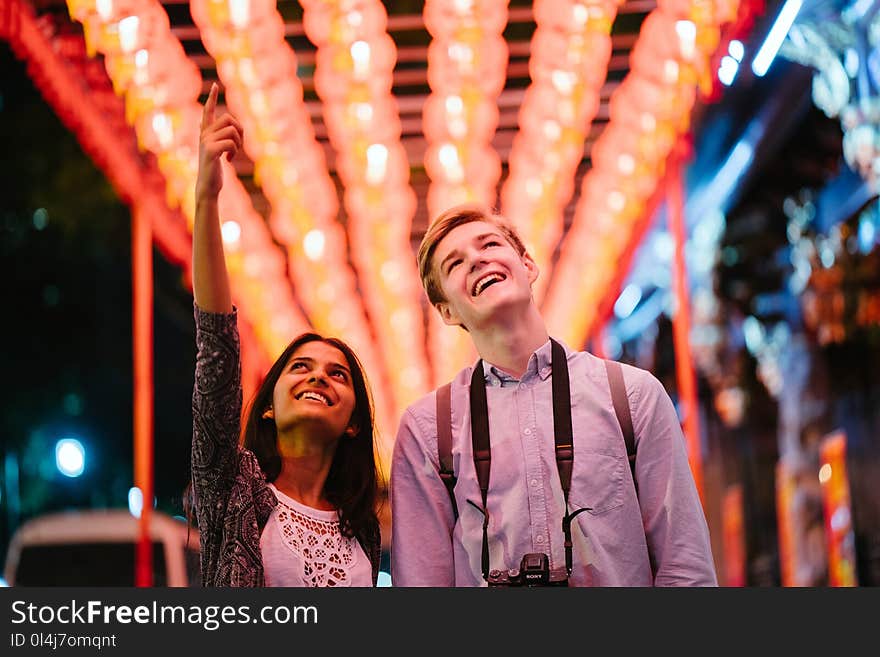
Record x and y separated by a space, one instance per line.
481 274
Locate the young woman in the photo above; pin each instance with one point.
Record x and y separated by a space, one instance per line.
296 504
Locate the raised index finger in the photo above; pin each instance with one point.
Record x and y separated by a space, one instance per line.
210 106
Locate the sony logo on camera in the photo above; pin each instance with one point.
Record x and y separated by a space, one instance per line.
534 570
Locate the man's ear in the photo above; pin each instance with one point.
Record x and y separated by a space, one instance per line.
531 267
448 315
268 414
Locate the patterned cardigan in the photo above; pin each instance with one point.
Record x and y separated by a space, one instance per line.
233 502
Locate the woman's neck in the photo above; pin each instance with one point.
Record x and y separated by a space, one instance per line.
303 475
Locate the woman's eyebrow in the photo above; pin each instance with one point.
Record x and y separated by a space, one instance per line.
311 361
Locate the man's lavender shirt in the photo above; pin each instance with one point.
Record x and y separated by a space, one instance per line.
658 538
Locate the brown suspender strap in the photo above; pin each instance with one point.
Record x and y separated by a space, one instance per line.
444 441
621 409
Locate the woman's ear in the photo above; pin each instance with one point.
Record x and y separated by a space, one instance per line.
268 414
352 430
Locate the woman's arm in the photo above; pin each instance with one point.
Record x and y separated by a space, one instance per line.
216 401
218 136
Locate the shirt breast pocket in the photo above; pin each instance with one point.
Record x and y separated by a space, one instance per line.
597 482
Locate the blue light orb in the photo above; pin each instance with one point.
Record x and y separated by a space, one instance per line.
70 457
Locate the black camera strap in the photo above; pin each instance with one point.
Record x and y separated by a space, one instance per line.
482 451
562 436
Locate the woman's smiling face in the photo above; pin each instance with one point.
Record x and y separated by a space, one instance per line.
315 388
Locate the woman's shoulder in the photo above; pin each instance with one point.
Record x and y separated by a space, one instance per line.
249 466
251 478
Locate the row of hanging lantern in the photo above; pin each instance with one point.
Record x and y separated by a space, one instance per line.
258 70
68 80
570 52
649 112
160 85
467 70
353 77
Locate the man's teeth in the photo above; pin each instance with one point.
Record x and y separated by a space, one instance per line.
483 283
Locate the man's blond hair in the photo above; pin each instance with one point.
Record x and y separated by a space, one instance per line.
442 225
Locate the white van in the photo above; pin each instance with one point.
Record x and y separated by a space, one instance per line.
97 548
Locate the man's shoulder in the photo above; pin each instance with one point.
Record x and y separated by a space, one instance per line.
424 409
637 376
634 377
423 404
462 378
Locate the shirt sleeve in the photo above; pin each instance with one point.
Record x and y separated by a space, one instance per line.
216 410
675 525
422 520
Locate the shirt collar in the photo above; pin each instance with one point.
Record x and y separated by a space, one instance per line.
540 364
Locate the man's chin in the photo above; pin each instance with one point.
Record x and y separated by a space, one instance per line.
499 309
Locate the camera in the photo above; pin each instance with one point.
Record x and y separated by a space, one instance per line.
534 570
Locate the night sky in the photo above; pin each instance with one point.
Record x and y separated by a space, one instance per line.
67 365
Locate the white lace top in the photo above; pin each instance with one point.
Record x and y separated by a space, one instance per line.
302 546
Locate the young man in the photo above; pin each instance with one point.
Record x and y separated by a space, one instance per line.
607 529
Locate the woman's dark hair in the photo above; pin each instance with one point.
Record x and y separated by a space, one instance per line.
352 484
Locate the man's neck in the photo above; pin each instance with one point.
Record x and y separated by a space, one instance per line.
509 342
